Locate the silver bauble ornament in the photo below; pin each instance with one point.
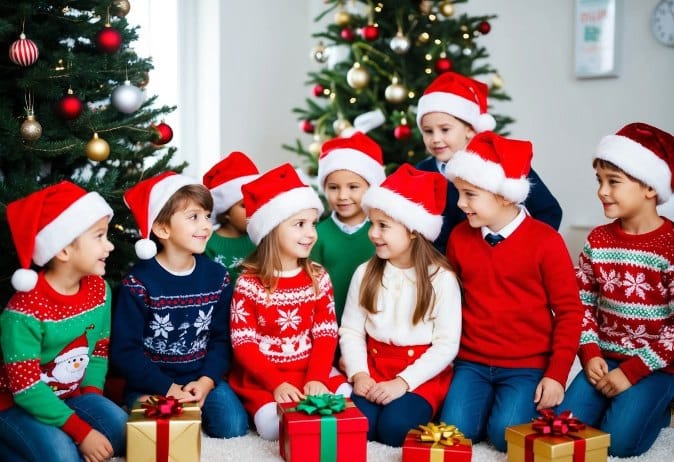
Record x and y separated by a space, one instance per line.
395 93
357 77
400 44
31 129
127 98
319 53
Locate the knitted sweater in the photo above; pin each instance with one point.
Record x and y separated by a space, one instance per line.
521 306
54 347
229 252
341 253
171 329
627 287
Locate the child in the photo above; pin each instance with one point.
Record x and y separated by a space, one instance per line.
284 331
171 321
347 167
521 311
230 243
402 320
626 280
451 111
55 331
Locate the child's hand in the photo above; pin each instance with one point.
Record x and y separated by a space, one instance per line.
95 447
178 393
314 387
595 369
341 365
287 393
613 383
199 389
385 392
549 393
362 383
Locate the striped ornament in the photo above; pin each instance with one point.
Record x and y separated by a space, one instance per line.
23 52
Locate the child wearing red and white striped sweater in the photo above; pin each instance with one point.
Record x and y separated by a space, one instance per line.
626 281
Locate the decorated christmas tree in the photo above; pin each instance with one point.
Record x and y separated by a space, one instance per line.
72 107
376 58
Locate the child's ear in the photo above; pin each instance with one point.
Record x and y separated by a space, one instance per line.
651 193
160 230
64 254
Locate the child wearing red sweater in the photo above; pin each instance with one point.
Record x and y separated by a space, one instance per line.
283 325
626 281
521 310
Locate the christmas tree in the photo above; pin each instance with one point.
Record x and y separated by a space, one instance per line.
377 58
72 107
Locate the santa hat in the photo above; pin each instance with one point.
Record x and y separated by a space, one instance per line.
146 199
273 198
643 152
494 163
225 179
46 221
413 197
78 347
459 96
359 154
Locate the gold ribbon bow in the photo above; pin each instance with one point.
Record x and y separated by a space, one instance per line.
447 435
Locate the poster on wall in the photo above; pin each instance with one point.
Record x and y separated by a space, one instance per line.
596 38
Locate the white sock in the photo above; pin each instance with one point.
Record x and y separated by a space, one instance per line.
344 389
266 422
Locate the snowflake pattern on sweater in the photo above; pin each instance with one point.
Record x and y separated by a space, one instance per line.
627 288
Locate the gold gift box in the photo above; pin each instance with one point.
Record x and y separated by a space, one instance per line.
557 448
184 435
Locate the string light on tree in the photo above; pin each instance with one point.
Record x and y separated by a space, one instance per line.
97 149
23 52
70 106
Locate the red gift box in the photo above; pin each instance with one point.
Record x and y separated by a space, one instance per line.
437 449
301 438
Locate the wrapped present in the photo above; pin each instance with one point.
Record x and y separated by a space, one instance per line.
436 443
325 428
163 430
556 438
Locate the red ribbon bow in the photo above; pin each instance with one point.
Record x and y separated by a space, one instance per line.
162 407
550 423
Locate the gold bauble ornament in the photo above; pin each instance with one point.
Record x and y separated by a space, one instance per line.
340 125
357 77
395 93
315 147
447 9
121 8
496 81
424 37
97 149
31 129
342 18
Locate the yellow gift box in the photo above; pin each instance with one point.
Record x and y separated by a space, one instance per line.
184 436
556 448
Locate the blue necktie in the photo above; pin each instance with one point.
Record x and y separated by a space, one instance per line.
493 239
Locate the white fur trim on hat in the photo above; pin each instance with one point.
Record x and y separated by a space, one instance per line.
229 193
414 216
352 160
488 175
161 193
279 209
438 101
637 161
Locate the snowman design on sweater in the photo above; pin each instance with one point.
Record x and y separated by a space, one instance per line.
65 373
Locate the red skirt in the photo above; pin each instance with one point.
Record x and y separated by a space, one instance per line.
387 361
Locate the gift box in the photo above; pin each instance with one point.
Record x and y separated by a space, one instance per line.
556 441
437 443
163 430
325 428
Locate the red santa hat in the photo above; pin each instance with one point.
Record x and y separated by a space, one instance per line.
273 198
413 197
643 152
46 221
78 347
459 96
359 154
499 165
225 179
146 199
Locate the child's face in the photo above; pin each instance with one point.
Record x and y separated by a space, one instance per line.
89 251
392 240
236 217
188 230
482 207
621 196
344 190
444 134
296 236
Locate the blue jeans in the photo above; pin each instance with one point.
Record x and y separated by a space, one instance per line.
633 418
389 424
24 438
484 400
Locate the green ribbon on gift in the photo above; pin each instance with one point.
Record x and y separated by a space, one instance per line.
325 405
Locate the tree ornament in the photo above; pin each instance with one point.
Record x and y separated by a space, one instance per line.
340 125
447 9
31 130
23 52
70 106
357 77
306 126
108 39
400 44
443 64
121 8
496 81
395 93
370 32
319 90
162 134
315 147
402 131
97 149
127 98
426 6
144 80
347 34
342 17
424 37
319 53
484 27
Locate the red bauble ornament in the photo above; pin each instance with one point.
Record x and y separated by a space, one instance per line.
70 106
23 52
318 90
347 34
484 27
108 40
443 65
163 134
306 126
370 32
402 132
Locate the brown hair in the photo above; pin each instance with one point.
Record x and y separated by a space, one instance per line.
597 162
196 193
425 257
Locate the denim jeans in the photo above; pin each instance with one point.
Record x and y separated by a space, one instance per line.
484 400
24 438
633 418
